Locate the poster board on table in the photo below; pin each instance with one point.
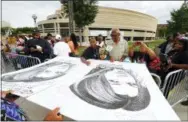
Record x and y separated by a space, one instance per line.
101 91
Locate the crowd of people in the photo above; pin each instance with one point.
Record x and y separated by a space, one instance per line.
173 53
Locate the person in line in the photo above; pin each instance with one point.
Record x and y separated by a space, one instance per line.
144 55
117 47
38 47
12 43
100 41
167 46
20 44
49 38
73 44
61 48
92 52
10 111
178 59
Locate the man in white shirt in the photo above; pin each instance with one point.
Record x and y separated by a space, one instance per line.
117 47
61 48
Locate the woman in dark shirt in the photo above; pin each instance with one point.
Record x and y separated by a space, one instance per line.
92 52
178 59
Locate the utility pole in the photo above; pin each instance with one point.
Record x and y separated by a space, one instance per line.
71 15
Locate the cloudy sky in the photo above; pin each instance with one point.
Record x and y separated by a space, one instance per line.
19 13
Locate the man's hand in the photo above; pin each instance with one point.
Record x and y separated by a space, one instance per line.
39 48
33 49
53 115
88 63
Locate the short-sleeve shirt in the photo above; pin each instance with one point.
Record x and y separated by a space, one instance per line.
11 112
91 53
62 49
118 50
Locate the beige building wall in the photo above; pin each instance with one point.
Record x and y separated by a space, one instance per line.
133 24
124 19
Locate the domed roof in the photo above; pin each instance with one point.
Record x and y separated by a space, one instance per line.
5 24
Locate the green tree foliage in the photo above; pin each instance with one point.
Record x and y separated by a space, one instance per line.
25 30
84 11
4 30
15 31
162 32
179 20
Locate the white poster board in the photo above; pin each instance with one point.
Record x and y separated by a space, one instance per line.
103 91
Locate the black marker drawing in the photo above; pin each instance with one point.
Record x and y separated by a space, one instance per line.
113 87
42 73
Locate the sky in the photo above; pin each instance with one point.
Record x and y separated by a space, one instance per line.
19 13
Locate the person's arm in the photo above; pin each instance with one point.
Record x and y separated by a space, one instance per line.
27 48
47 49
149 51
84 57
180 66
85 61
71 45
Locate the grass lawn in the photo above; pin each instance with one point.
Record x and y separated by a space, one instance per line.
152 45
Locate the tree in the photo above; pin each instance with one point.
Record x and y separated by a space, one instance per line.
16 31
26 30
179 20
84 11
4 30
162 32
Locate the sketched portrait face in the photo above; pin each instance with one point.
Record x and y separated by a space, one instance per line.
122 82
112 87
45 72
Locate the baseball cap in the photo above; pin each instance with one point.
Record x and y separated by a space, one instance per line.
58 37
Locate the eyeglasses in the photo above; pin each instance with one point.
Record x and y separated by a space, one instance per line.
113 35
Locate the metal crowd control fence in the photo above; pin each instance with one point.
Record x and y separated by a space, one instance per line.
174 88
157 79
21 61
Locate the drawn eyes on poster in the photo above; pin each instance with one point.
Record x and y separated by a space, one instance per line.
42 73
113 87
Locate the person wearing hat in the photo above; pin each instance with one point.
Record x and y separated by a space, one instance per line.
61 48
38 47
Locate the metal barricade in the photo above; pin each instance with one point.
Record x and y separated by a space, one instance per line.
174 87
22 61
157 79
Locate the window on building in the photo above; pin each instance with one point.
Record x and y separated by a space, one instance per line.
39 26
128 38
138 38
125 30
64 25
50 25
139 31
148 38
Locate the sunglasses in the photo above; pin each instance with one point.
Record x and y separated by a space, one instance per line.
113 35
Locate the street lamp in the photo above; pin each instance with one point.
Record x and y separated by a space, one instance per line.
35 19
